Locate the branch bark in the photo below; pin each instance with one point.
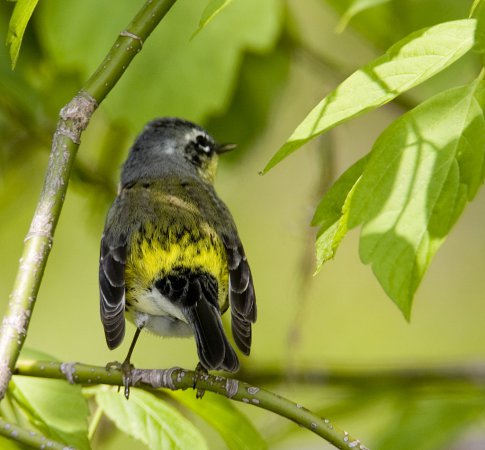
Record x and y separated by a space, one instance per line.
74 118
176 378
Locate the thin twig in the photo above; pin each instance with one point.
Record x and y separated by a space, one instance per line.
74 118
29 438
177 378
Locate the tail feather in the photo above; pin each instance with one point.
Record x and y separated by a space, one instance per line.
199 304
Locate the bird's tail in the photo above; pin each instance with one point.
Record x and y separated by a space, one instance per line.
202 311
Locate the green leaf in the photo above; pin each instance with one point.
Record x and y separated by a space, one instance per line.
354 8
329 210
18 23
55 407
479 14
331 214
474 7
213 8
236 430
190 79
421 172
441 416
406 64
9 444
150 420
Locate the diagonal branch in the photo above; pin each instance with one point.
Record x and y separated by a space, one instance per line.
74 118
29 438
177 378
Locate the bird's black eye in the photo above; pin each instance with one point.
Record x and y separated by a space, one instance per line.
203 144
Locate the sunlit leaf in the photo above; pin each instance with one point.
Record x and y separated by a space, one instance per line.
213 8
236 430
332 213
355 7
421 172
149 419
405 65
18 23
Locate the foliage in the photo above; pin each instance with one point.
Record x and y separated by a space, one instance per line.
209 65
154 422
421 153
20 17
220 413
36 401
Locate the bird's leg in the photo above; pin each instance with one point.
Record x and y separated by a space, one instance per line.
126 367
200 372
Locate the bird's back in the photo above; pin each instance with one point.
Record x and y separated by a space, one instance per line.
170 235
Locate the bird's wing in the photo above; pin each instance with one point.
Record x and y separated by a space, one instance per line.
241 293
112 263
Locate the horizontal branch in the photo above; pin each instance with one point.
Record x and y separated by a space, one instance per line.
181 379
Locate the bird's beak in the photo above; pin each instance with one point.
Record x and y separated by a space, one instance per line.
224 148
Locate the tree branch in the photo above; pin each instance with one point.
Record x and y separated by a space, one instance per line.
74 118
177 378
29 438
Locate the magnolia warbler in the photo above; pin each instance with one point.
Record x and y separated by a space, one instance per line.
171 258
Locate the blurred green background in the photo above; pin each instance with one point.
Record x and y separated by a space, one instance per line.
249 77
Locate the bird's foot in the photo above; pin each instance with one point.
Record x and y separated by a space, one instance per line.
126 368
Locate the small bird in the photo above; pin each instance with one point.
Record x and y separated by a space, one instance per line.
171 258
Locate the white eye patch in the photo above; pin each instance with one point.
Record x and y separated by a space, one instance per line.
205 148
203 142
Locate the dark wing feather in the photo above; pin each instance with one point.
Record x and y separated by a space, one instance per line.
112 263
241 295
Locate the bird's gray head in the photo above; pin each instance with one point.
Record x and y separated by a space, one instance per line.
172 141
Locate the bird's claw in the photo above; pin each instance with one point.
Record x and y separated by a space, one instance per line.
126 369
